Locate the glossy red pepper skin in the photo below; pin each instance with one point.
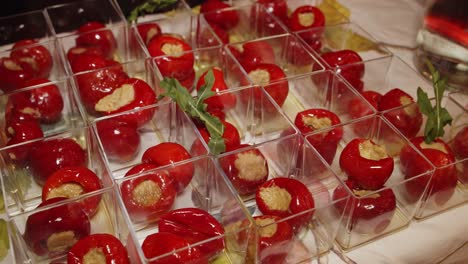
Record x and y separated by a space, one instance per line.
148 31
162 243
94 34
278 9
214 13
96 84
77 51
325 143
15 118
42 225
119 138
246 170
297 24
441 186
189 81
349 61
36 55
23 132
276 86
84 177
167 153
90 61
13 73
301 200
177 65
407 120
371 214
47 100
107 245
267 248
222 102
142 212
195 225
256 52
48 156
143 96
370 174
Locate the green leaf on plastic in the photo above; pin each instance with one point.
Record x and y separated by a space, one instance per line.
196 108
437 116
424 103
149 7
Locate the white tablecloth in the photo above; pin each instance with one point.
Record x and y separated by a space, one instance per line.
444 237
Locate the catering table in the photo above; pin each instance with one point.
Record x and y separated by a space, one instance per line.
442 238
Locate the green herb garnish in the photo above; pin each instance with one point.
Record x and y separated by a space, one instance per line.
149 7
196 108
437 116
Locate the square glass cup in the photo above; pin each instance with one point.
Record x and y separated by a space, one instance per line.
368 161
254 115
283 11
343 45
448 186
286 187
286 51
243 21
321 100
99 47
29 25
51 105
207 216
68 17
46 233
387 74
72 158
194 64
189 28
30 59
115 89
126 145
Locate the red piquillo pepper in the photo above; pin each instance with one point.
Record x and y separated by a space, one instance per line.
442 182
195 225
285 197
71 182
100 248
314 119
367 163
247 169
167 153
147 196
162 243
54 230
270 241
369 213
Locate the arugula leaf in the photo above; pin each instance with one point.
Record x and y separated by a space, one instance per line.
196 108
149 7
437 116
424 103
